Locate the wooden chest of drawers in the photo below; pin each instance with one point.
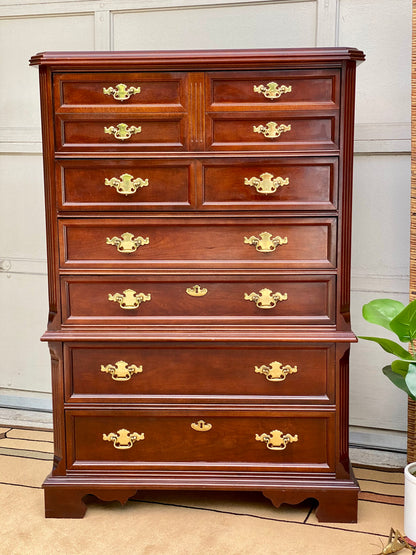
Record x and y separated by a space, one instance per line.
198 212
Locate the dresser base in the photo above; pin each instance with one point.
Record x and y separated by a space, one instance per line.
67 497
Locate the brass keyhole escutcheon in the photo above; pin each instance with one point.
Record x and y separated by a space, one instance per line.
201 426
197 291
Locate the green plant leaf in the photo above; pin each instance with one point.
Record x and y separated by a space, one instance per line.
404 323
382 311
390 347
410 380
398 380
400 367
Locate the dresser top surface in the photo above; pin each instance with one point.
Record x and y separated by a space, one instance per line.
189 59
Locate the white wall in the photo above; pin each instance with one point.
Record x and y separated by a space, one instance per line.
382 28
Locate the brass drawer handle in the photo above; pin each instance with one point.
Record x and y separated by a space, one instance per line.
128 243
122 131
121 371
266 183
276 372
123 439
201 426
126 185
272 130
121 92
130 299
272 90
197 291
266 243
265 298
276 440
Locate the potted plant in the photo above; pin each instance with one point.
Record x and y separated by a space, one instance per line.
401 320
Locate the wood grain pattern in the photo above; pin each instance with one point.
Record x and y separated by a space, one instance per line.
231 442
204 372
178 242
201 357
309 131
310 300
80 92
309 89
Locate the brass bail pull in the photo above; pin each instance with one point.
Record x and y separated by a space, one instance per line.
265 298
272 90
277 440
121 91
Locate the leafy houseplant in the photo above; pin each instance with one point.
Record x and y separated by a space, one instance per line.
401 320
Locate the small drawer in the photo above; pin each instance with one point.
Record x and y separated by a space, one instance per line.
221 372
184 242
272 131
202 300
124 91
115 132
125 185
168 438
276 89
271 184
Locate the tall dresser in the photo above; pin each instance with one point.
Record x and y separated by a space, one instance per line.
198 209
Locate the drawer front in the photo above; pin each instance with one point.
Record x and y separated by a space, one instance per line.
271 184
176 299
273 89
159 438
114 132
125 184
126 91
272 131
179 242
281 372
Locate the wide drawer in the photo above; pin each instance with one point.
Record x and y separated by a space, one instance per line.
300 183
275 89
184 242
221 372
125 184
125 91
279 183
272 131
178 299
289 440
114 132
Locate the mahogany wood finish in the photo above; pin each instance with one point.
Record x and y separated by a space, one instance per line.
311 89
231 441
210 372
310 300
162 92
206 376
306 242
